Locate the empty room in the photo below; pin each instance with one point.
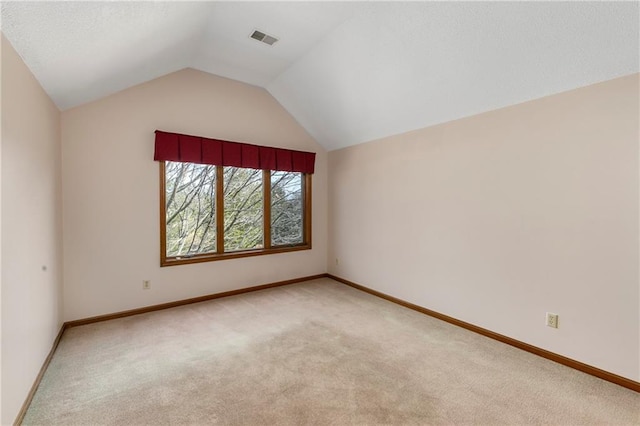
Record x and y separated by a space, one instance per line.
365 213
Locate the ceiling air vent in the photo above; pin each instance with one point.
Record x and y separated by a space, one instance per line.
265 38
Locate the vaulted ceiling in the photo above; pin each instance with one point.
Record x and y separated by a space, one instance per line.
349 72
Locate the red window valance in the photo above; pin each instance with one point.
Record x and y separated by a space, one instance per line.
195 149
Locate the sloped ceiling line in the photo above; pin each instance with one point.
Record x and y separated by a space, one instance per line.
349 72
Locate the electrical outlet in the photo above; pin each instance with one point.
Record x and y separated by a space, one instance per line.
552 320
146 285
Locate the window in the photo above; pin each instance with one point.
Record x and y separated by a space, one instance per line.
219 212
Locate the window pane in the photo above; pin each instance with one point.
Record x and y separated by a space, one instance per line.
243 217
190 209
286 208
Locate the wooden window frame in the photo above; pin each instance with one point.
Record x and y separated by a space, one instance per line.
220 254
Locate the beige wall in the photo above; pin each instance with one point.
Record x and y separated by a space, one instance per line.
111 201
31 230
498 218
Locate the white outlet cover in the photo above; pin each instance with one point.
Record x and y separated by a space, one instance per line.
551 320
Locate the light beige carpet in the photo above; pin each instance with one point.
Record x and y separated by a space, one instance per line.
311 353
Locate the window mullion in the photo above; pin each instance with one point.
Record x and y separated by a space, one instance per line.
219 209
306 197
266 207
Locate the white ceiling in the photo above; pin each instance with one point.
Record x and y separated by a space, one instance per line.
349 72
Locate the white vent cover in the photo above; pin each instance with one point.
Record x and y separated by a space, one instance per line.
265 38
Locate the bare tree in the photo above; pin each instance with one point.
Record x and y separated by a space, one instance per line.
191 208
